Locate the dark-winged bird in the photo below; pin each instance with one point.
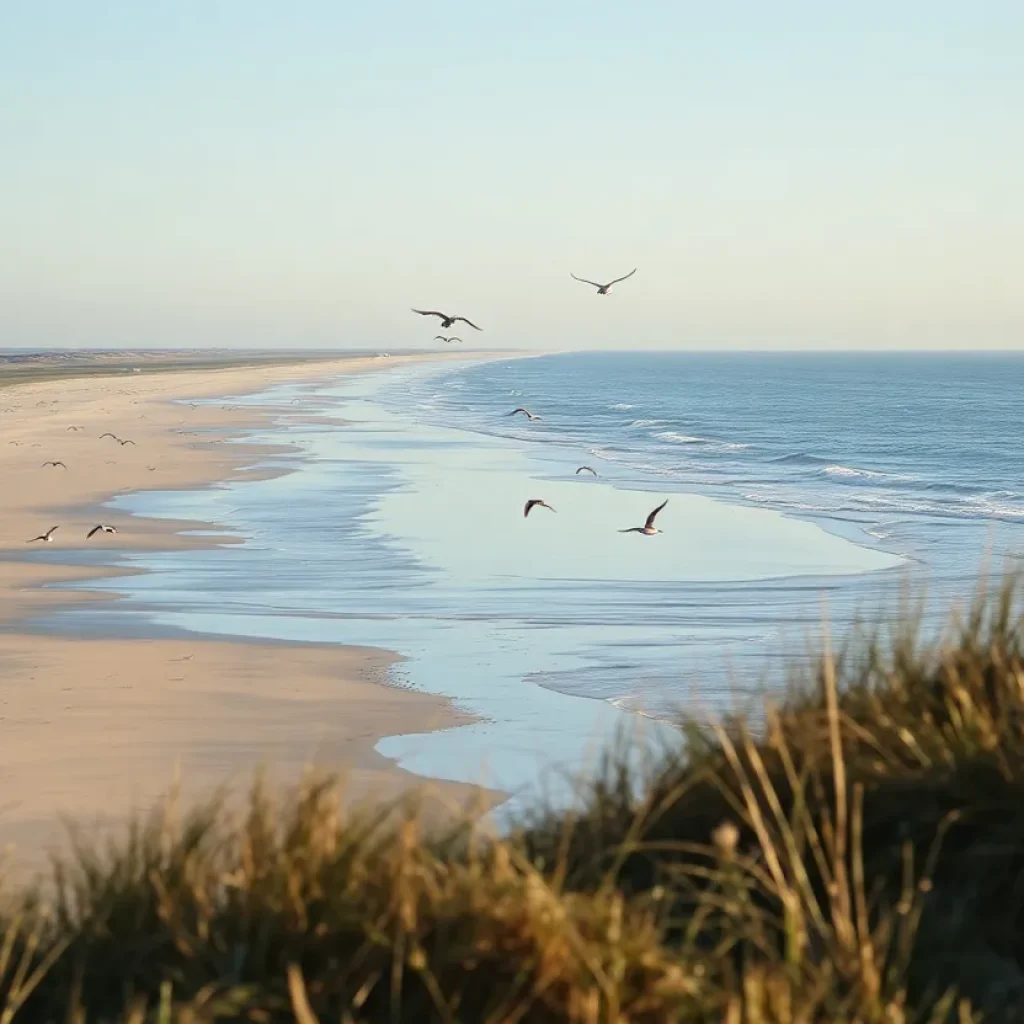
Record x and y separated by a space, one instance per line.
531 503
446 320
648 529
602 289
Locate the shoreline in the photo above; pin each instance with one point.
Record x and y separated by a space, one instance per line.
89 731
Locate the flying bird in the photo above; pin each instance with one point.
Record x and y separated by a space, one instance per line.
529 415
98 527
73 428
587 469
45 537
446 320
54 463
648 529
126 441
441 337
534 501
602 289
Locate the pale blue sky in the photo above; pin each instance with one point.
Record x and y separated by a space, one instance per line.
793 173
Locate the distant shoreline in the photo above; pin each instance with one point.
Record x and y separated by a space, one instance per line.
35 366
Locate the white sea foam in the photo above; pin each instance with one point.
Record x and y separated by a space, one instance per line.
620 406
671 435
840 472
723 446
847 471
633 706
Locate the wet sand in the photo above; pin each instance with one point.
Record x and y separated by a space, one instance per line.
94 728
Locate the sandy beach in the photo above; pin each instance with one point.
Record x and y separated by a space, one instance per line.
95 728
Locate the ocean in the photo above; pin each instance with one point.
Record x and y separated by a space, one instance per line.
800 488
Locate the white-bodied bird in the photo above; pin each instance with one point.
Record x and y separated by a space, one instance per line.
602 289
648 529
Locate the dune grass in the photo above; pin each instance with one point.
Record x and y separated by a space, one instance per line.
856 856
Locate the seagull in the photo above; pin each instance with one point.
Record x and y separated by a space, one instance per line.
45 537
446 320
73 428
441 337
648 529
535 501
529 415
602 289
588 469
98 527
123 443
54 463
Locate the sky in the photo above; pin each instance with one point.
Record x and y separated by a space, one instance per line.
785 175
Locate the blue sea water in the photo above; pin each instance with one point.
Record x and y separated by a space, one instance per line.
796 484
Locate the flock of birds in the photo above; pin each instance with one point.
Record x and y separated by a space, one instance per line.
47 538
448 321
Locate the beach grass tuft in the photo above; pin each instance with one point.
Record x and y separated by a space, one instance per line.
855 854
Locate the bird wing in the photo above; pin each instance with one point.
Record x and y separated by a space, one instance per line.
465 321
535 501
590 469
430 312
440 337
618 279
584 280
95 529
108 434
128 441
651 517
520 409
